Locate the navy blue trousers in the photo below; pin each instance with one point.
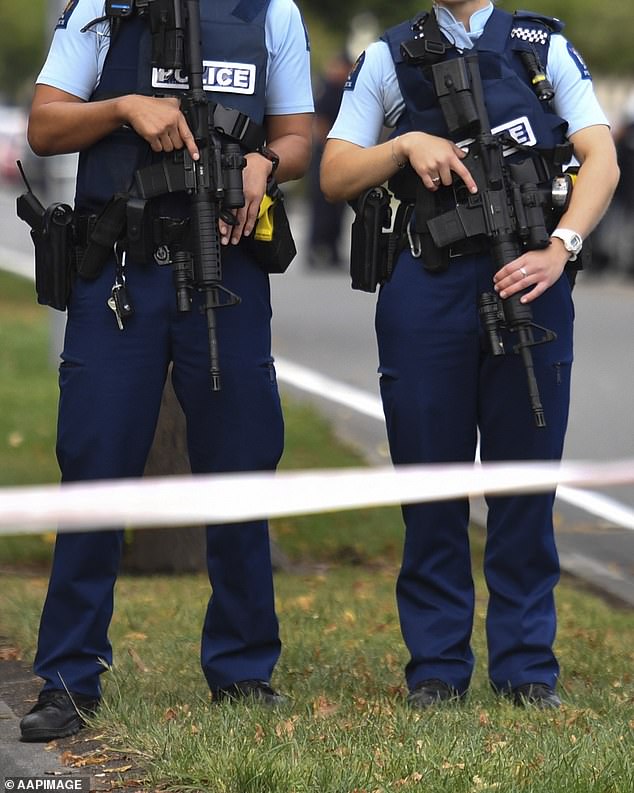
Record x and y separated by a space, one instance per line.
111 383
440 386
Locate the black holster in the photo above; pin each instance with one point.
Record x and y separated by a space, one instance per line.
54 257
374 247
52 235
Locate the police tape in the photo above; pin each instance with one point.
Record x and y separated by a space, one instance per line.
231 498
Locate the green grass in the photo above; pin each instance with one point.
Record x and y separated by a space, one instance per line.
346 729
29 387
28 396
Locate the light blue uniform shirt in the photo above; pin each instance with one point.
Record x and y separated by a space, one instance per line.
376 101
75 59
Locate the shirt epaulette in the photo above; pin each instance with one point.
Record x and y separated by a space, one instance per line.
553 24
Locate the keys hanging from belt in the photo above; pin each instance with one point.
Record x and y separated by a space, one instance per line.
119 300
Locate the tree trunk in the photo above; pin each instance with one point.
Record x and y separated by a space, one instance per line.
167 550
182 549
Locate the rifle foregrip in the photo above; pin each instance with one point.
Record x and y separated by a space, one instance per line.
206 240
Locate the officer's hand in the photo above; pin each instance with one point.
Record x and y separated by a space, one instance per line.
254 178
435 160
536 269
160 122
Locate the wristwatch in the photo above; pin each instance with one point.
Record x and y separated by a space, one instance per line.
271 156
573 241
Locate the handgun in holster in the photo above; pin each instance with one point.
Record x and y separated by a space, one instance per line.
52 235
371 251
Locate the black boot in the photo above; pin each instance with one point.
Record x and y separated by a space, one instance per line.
429 693
257 691
539 695
57 714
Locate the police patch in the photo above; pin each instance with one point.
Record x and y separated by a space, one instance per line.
231 78
519 130
354 73
580 63
70 6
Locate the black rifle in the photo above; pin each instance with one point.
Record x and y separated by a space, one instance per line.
509 209
214 182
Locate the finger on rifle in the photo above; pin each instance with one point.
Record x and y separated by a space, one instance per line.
237 230
463 172
187 138
224 231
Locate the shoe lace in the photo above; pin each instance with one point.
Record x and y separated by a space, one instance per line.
58 699
62 700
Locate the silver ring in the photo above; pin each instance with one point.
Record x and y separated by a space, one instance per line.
524 273
436 179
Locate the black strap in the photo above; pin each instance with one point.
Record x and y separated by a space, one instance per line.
429 44
238 126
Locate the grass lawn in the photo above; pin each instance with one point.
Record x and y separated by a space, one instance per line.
346 728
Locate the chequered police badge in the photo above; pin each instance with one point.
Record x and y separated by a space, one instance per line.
530 34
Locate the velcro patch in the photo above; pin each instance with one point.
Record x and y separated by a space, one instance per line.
532 35
232 78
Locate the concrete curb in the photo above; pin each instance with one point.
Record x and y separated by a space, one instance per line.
26 759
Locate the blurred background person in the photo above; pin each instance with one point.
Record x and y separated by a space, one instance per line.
325 219
613 240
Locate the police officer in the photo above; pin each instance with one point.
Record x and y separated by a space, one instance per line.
438 385
95 95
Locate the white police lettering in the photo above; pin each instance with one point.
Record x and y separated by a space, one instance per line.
169 78
234 78
519 129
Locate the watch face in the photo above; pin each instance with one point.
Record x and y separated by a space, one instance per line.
575 244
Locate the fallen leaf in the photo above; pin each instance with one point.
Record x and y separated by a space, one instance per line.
323 708
286 728
136 660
